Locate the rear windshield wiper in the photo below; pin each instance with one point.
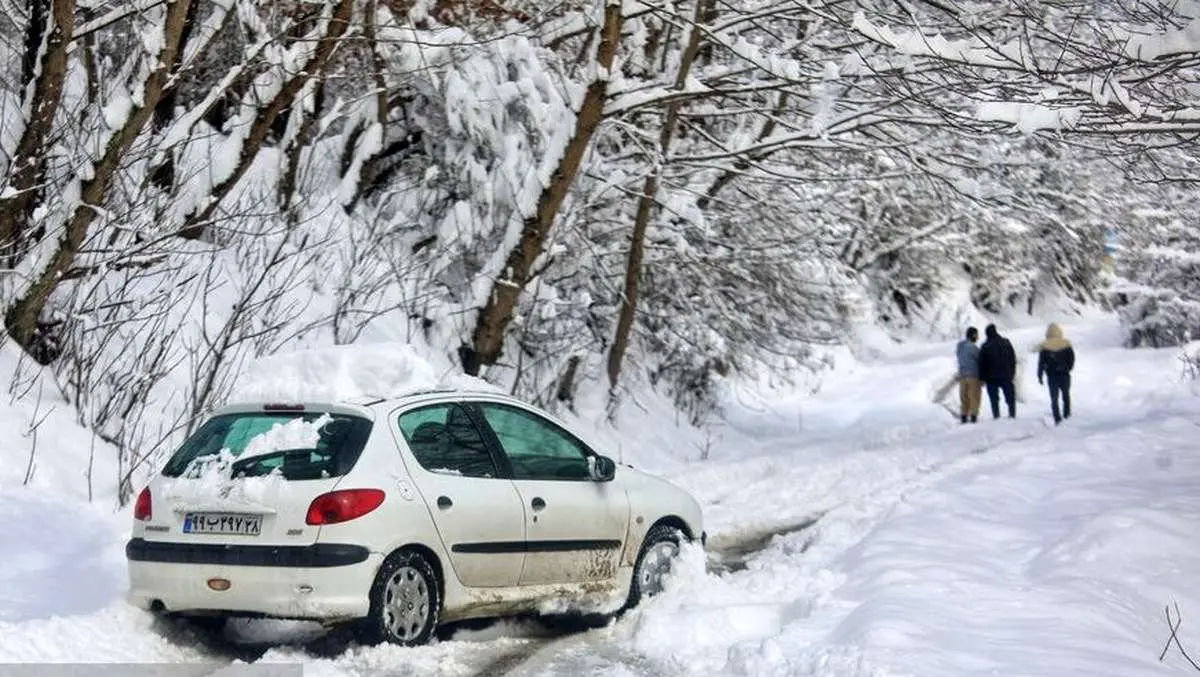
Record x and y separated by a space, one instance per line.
242 464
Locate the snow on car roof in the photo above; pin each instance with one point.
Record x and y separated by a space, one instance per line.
354 374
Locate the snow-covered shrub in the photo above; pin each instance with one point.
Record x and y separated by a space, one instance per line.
1158 297
1155 286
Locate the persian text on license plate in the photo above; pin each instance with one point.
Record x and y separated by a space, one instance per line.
222 523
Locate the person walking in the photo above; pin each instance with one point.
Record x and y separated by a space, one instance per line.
998 370
970 389
1056 359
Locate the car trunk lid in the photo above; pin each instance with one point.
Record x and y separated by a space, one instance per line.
248 478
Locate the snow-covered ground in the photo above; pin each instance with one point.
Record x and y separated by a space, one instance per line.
861 531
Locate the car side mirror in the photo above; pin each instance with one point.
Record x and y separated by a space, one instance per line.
602 469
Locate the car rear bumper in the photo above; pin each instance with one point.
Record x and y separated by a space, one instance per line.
175 578
317 555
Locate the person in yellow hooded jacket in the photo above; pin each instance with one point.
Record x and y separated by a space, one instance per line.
1056 359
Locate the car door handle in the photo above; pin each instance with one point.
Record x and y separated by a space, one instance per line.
538 503
444 502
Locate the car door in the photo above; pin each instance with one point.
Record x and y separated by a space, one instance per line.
575 526
477 511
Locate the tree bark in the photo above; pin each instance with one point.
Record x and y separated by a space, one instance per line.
260 129
295 149
645 207
35 33
163 176
370 33
27 171
369 166
22 317
487 340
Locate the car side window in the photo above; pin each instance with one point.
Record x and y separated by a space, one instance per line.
445 440
536 448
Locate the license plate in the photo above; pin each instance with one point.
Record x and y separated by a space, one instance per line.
222 523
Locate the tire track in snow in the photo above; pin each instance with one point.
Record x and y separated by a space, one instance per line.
853 472
733 553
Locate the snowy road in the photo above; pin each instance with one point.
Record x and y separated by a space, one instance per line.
881 539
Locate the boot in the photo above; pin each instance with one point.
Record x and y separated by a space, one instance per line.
974 418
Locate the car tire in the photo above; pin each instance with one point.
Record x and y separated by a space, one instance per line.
405 602
659 550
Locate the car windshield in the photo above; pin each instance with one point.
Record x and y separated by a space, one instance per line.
331 452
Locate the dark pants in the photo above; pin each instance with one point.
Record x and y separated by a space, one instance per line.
1060 385
994 388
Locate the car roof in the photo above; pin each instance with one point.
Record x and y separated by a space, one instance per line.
362 405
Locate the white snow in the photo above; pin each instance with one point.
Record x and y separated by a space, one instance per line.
1029 117
344 373
883 537
295 434
1154 46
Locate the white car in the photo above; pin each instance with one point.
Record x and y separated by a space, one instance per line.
398 515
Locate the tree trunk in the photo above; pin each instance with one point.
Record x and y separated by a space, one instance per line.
263 123
22 317
367 167
487 340
163 176
27 171
35 33
566 385
370 33
645 208
708 15
295 149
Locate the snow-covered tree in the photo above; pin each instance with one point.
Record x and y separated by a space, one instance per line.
554 193
1157 285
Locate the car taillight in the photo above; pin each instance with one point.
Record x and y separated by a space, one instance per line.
141 509
343 505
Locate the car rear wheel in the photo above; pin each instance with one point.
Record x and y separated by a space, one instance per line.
659 551
404 602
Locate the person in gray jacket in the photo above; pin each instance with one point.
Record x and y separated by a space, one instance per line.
970 388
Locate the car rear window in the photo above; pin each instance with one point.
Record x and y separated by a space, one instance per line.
340 441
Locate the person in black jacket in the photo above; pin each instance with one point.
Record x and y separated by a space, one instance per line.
998 370
1056 359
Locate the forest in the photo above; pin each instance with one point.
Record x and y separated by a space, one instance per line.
555 193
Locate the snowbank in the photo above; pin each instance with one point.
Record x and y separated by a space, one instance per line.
348 373
45 448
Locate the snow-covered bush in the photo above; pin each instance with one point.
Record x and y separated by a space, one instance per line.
1159 298
1155 287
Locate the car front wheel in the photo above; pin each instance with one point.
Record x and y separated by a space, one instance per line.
659 551
404 602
